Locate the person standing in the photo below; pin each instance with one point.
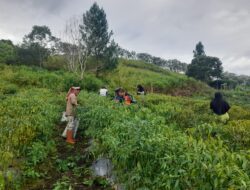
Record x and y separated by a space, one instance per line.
220 107
71 99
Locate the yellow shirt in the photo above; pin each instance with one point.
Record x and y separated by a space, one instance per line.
71 105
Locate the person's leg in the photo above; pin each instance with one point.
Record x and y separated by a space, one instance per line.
68 126
70 130
76 124
64 134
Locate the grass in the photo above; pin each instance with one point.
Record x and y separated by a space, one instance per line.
155 80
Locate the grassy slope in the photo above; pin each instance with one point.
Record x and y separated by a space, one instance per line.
131 73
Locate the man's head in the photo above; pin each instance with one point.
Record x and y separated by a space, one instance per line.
121 92
76 90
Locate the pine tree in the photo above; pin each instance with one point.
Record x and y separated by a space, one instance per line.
204 68
199 50
96 36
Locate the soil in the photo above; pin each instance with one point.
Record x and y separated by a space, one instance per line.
69 165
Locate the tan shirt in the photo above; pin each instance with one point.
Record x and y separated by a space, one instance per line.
71 105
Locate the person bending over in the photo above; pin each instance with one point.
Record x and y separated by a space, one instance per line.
119 95
220 107
140 90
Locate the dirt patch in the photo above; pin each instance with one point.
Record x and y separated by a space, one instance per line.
69 166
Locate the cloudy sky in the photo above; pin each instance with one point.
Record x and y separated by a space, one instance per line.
165 28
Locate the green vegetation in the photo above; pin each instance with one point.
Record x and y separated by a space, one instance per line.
131 73
163 142
7 51
170 143
204 68
170 139
31 104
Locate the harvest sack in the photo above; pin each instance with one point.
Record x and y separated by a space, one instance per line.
103 92
64 117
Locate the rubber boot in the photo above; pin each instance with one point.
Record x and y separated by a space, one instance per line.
70 137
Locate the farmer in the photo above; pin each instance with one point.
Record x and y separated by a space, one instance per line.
140 90
127 99
119 95
103 91
71 99
220 107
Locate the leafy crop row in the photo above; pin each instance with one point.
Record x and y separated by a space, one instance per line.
26 128
151 151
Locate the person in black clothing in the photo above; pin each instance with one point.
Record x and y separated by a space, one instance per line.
140 90
220 107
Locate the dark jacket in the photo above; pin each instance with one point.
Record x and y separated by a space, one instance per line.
119 99
218 105
140 90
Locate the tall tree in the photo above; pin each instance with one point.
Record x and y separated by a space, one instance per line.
96 36
199 50
205 68
40 42
74 47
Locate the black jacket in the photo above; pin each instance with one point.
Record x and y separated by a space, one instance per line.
219 107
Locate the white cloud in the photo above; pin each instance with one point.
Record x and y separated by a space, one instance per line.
238 65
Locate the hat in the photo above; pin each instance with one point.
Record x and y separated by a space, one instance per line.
76 87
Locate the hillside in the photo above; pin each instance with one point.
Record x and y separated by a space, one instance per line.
155 79
162 142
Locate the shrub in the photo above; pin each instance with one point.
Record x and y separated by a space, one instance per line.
55 63
237 134
9 89
26 120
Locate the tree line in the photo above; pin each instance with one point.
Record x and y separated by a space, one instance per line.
209 70
171 64
87 44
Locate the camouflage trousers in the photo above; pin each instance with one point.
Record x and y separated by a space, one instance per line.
71 125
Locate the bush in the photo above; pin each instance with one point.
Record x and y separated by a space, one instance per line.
237 134
9 89
56 62
91 83
26 120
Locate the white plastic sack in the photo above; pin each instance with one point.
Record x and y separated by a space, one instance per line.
102 167
64 117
